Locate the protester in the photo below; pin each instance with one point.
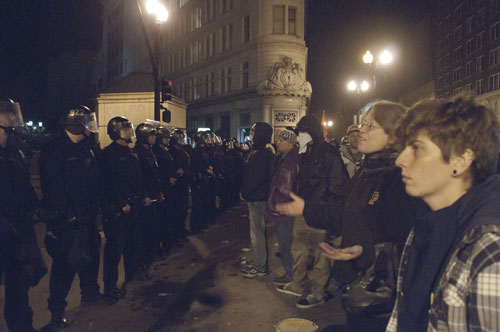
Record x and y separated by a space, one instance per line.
72 189
322 177
450 273
20 258
377 209
350 153
255 189
285 181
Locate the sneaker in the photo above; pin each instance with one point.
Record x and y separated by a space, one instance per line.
309 302
283 280
252 272
288 290
114 295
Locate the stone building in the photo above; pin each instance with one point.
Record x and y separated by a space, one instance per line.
233 62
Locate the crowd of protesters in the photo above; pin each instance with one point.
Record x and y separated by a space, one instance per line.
403 217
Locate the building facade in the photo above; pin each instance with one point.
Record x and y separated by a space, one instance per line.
233 62
467 49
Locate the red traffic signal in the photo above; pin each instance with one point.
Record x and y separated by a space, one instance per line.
166 90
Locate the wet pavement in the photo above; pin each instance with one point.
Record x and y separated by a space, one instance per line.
196 288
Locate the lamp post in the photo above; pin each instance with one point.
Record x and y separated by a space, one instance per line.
383 59
156 8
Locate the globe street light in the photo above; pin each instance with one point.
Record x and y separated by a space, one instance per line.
385 57
352 86
155 7
364 86
368 58
330 123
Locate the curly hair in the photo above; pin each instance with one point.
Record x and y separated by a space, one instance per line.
454 126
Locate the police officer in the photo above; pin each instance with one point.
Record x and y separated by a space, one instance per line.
17 202
72 188
150 230
181 187
168 178
122 174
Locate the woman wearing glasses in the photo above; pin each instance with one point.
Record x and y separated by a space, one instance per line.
449 279
377 210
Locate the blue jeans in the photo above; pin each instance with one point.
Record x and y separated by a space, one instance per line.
256 212
284 234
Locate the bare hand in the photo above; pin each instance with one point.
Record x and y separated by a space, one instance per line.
173 181
293 208
345 254
126 209
180 172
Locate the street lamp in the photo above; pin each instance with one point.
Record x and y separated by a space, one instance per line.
352 86
368 58
156 8
362 87
330 123
385 57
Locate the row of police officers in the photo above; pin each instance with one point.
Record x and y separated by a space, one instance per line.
141 193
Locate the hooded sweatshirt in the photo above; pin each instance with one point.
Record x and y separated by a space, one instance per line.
259 166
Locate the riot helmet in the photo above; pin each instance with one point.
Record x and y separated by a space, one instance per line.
198 139
177 137
143 131
13 116
121 128
77 119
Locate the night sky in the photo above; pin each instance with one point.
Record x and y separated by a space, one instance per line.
337 34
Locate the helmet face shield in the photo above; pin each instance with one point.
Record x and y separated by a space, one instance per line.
17 115
126 130
91 123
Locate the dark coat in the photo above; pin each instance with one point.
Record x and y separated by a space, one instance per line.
71 179
322 178
285 180
149 170
259 167
377 209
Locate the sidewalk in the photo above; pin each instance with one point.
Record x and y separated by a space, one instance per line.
189 293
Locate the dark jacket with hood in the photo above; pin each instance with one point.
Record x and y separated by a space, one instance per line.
259 166
322 178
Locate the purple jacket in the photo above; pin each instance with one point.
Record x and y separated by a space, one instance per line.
285 180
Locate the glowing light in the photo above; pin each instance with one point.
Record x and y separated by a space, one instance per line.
352 86
155 7
365 86
368 57
330 123
385 57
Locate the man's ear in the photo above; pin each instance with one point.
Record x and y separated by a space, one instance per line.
461 163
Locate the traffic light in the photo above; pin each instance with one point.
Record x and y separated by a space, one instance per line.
166 90
166 115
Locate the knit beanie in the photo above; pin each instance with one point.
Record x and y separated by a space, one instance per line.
287 135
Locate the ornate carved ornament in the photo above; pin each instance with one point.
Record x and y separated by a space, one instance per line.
286 79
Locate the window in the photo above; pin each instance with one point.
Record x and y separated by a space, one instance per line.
229 40
479 64
457 74
207 86
212 84
468 46
440 83
447 40
439 65
494 82
227 5
245 119
480 40
469 24
246 29
469 4
447 79
468 69
447 22
495 6
457 54
229 80
209 121
222 81
457 34
494 57
196 18
278 19
211 44
479 87
495 31
481 17
469 88
440 27
292 19
244 75
447 60
211 9
458 13
457 91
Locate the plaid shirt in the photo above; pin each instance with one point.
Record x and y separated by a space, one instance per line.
467 297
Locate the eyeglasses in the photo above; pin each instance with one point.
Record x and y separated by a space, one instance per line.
367 126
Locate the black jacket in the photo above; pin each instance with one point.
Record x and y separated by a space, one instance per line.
166 166
182 161
377 209
259 166
71 179
149 170
322 178
122 175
